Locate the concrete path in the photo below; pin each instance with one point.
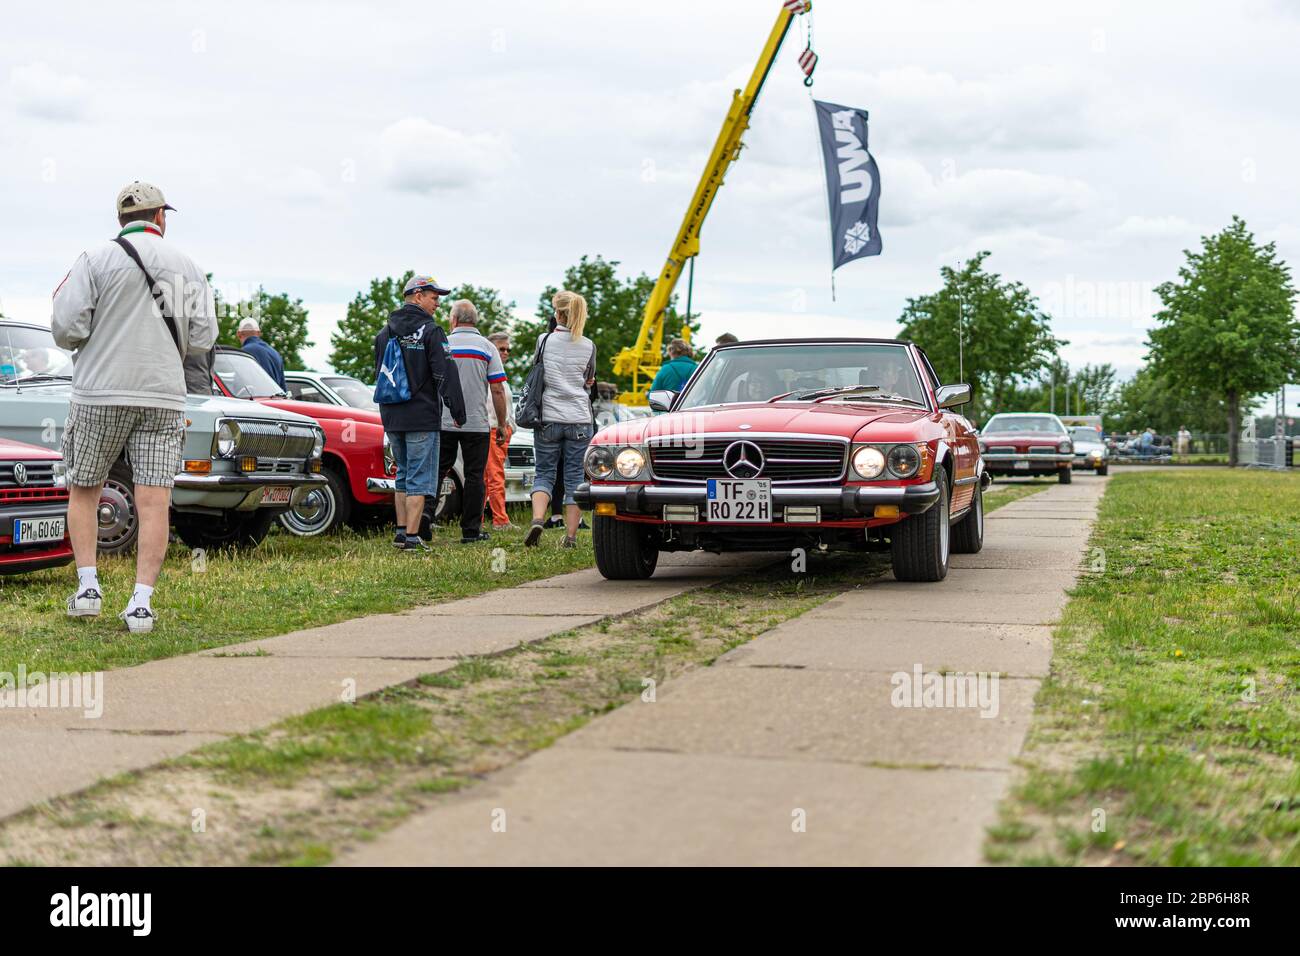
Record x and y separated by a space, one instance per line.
164 708
789 750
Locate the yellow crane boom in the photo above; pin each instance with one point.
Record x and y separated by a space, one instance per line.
643 359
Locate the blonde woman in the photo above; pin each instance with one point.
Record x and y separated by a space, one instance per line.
569 366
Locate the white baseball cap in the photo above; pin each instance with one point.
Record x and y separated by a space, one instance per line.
249 325
140 195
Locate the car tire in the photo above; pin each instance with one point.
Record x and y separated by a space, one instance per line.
117 514
625 550
920 544
233 529
1066 475
1103 471
968 533
334 504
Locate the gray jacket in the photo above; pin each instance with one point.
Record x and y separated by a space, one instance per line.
104 312
568 366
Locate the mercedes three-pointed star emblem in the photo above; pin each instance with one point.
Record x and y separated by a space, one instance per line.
743 459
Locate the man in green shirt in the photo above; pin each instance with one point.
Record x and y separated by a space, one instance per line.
673 374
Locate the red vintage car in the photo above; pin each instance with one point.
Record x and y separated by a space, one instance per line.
1027 444
355 449
33 509
822 444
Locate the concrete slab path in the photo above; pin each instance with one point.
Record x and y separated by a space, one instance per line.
790 749
165 708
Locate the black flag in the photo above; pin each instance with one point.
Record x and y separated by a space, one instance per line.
852 182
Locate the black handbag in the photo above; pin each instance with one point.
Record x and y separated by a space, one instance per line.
529 412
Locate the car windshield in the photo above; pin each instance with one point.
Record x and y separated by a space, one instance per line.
1085 433
609 412
244 378
30 355
1024 423
806 371
355 393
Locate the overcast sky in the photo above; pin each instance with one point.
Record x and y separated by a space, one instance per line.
310 147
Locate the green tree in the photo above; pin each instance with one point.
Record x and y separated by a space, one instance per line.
1149 399
353 342
1228 326
614 308
495 314
1005 338
283 322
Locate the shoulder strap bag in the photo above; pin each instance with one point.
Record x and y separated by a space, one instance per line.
155 291
529 414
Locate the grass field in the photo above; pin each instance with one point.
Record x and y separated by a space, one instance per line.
284 584
1169 728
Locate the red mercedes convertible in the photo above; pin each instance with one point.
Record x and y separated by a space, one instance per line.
822 444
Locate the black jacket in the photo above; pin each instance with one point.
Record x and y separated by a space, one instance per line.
428 370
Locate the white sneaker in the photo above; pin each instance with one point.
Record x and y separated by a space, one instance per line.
139 620
85 603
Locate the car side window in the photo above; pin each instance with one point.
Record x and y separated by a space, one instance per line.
306 392
929 369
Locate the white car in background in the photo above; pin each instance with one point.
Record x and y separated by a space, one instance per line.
1089 448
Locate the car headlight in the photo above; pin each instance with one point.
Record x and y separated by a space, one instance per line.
600 462
983 448
868 462
319 445
60 474
226 440
629 463
903 461
390 460
1065 447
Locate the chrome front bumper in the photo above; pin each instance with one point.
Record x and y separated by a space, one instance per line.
857 502
1055 459
245 491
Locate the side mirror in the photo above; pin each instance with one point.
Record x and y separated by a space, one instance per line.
661 399
950 396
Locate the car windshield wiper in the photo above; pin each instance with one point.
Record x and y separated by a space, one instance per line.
882 397
803 395
42 377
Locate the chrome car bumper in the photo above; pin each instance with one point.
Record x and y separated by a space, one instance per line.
248 488
381 486
835 500
1002 459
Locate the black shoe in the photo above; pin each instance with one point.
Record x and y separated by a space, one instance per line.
399 539
413 542
555 521
582 523
475 538
534 534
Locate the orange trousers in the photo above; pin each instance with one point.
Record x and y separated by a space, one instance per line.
494 478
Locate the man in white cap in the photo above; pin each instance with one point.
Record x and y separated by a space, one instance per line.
251 341
131 310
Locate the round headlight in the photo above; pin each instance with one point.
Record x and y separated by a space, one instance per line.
868 462
904 461
319 445
227 439
600 462
629 462
1065 447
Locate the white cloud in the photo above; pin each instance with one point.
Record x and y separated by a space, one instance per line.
301 184
419 156
980 198
44 93
1157 227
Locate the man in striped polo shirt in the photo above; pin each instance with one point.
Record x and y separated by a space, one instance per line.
481 381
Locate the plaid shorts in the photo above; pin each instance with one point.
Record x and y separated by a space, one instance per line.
96 435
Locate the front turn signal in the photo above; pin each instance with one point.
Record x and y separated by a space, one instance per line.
886 511
606 508
198 466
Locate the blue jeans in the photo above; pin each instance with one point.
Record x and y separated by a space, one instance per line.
416 454
557 444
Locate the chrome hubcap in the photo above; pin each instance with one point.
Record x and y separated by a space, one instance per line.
312 515
116 514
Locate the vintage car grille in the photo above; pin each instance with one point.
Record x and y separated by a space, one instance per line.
1001 450
267 439
1042 449
270 466
521 457
786 460
40 474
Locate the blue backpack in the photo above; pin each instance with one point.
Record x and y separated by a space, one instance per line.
391 385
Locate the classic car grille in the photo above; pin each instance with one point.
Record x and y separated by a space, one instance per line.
521 457
40 474
785 459
1042 449
266 439
1001 450
267 466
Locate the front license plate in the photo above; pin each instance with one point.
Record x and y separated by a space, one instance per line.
275 496
32 530
730 499
1022 466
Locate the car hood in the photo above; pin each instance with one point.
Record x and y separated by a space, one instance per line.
319 411
16 449
219 406
839 420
